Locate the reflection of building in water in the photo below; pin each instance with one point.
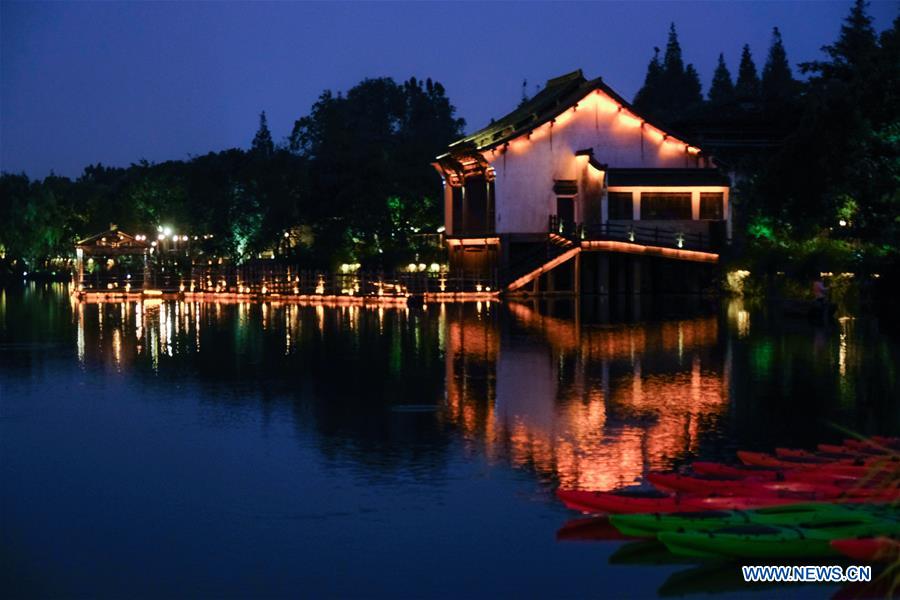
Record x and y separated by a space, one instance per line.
596 407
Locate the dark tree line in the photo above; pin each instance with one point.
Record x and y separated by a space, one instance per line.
353 181
672 92
828 184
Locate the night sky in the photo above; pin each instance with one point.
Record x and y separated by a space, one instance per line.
119 82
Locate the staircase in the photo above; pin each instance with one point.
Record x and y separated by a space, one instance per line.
554 252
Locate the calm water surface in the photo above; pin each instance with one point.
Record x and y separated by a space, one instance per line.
186 449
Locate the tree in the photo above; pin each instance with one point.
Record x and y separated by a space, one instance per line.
648 97
852 52
669 87
369 156
842 161
693 89
777 84
673 64
721 90
747 87
262 141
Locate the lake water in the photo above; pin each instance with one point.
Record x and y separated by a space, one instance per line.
172 449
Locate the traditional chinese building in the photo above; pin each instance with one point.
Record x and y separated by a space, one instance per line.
576 191
112 261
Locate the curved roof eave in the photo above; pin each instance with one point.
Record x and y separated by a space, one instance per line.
471 143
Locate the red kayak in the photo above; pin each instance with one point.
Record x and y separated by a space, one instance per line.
761 459
859 452
700 483
874 549
621 501
891 442
628 502
792 453
872 446
847 457
721 470
812 482
780 473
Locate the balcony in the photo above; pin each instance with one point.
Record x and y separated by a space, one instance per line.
688 237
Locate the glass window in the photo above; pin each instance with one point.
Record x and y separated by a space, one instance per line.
665 206
712 205
620 205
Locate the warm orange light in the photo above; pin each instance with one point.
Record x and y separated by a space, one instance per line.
604 103
631 248
561 430
521 281
483 241
654 134
563 118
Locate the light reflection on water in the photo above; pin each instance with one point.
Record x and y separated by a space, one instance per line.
589 405
594 407
433 421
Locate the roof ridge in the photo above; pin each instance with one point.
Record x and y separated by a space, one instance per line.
576 74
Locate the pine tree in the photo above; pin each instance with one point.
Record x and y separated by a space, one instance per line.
669 87
857 42
647 98
747 88
693 89
262 141
673 64
777 81
721 90
854 50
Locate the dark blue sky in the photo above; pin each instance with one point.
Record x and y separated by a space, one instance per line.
117 82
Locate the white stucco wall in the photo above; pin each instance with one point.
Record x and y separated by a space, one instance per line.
527 167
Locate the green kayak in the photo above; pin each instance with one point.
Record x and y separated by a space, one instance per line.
650 524
771 541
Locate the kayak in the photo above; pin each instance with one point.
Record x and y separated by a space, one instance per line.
762 459
800 471
791 453
629 502
770 541
649 525
893 442
862 451
799 481
875 443
847 456
620 501
699 483
723 486
722 470
870 549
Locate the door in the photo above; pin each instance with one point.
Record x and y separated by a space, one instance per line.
565 209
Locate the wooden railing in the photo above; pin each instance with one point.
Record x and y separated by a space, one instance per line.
632 232
263 278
